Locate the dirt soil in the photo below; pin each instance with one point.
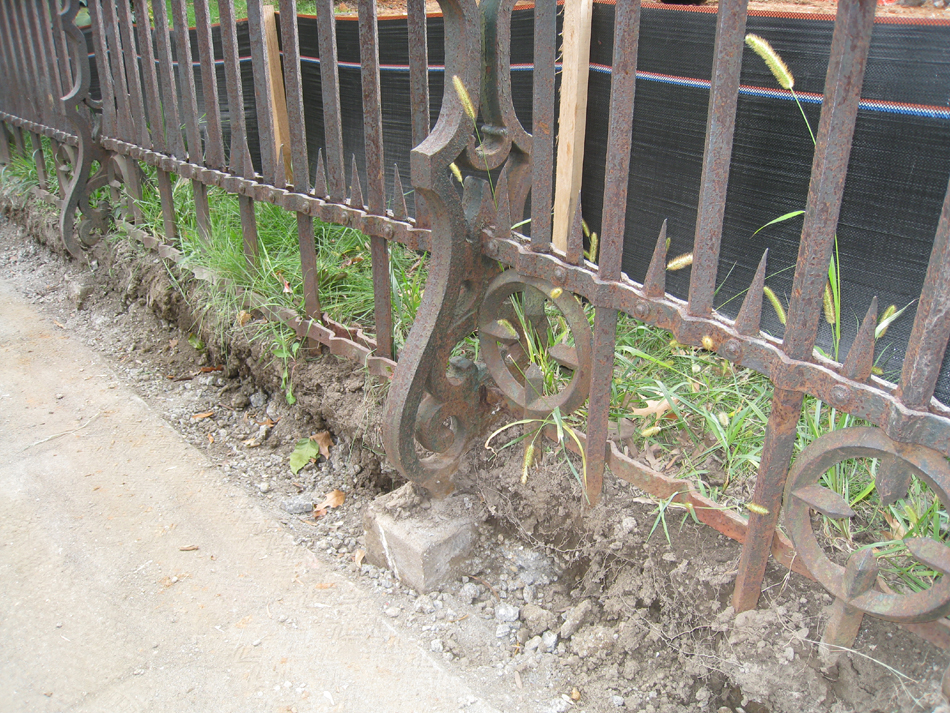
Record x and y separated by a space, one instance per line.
560 609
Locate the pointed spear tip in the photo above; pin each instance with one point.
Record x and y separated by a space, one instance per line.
654 284
399 199
749 319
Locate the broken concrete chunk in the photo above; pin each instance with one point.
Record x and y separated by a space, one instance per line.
537 619
424 548
576 618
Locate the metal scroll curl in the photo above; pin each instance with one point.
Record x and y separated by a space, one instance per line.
436 404
856 583
83 113
509 332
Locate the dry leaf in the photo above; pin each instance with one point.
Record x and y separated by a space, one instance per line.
317 514
243 318
358 557
188 548
209 369
210 438
202 416
333 499
324 585
898 532
251 442
575 694
325 441
267 422
173 343
653 407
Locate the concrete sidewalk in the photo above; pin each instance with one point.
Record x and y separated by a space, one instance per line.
133 579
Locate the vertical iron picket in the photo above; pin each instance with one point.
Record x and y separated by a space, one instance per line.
849 49
418 86
239 159
262 92
623 84
542 122
300 161
186 80
720 128
214 153
330 88
375 176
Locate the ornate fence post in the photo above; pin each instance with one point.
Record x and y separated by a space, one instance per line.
84 114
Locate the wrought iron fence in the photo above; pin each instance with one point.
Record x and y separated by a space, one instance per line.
437 404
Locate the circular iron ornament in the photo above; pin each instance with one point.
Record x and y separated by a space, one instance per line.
897 462
502 341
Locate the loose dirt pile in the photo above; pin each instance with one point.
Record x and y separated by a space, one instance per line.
561 609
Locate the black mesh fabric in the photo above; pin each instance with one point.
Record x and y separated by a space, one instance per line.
897 179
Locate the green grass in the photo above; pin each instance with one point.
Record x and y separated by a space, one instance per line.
684 411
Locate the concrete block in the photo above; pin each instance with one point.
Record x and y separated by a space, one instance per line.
423 542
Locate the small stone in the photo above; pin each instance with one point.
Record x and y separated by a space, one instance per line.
240 400
393 612
59 625
576 618
59 396
298 506
257 642
468 593
548 641
424 604
264 486
618 701
532 643
507 612
436 646
592 641
258 399
538 619
502 630
558 705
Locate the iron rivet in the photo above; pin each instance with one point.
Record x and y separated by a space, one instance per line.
731 350
559 274
840 395
642 310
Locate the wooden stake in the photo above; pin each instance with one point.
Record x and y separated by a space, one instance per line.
278 98
572 123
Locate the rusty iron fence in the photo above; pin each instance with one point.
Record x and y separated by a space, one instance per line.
438 405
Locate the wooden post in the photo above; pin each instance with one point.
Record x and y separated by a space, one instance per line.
572 123
278 98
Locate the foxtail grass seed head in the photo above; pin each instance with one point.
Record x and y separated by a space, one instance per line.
508 327
883 324
651 431
464 97
708 344
594 247
776 305
723 419
555 293
773 61
828 302
757 509
456 172
679 262
528 462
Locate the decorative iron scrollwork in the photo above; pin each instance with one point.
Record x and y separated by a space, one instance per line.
436 405
505 335
84 113
855 583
